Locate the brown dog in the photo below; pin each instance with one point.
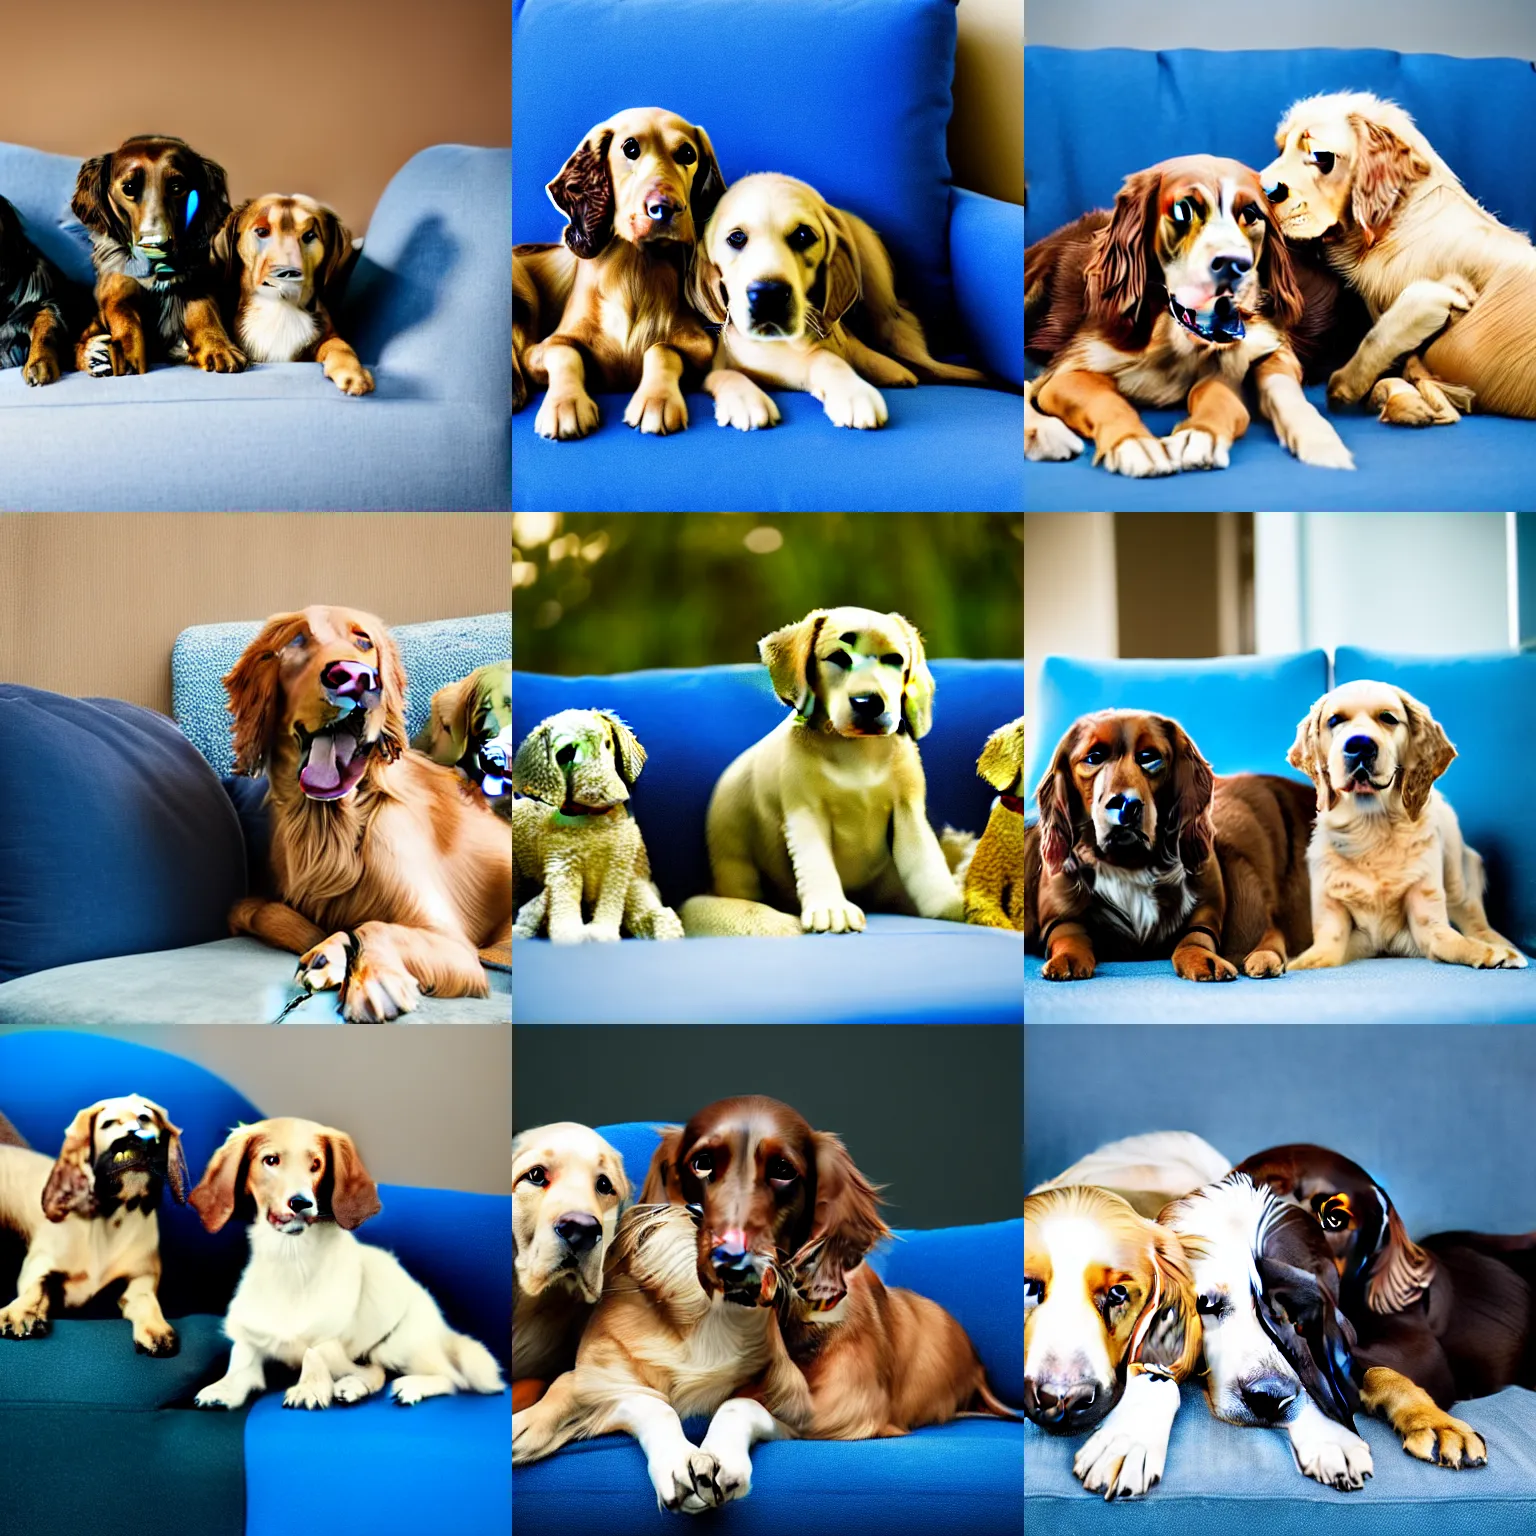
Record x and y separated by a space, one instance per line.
152 207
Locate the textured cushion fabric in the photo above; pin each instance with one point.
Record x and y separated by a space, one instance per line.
228 981
115 837
433 653
986 254
1487 706
1241 711
943 450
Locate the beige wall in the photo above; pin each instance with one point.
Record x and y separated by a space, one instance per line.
329 98
90 603
986 134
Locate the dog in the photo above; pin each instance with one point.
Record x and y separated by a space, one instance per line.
574 836
152 208
1143 852
388 880
39 307
568 1188
846 759
469 727
744 1263
89 1217
1177 295
285 260
994 879
606 309
777 269
314 1298
1437 271
1390 872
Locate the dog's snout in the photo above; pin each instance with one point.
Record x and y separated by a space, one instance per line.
866 706
300 1204
1229 267
1267 1398
349 679
1124 809
661 208
1360 749
578 1231
768 300
1059 1402
1277 192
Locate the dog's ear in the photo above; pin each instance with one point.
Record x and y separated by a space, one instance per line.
1307 754
252 686
583 192
708 185
1167 1334
393 738
1303 1319
1277 274
917 687
845 1224
661 1177
175 1158
790 656
1385 167
1401 1271
92 202
706 291
340 254
1192 784
71 1187
1001 762
628 754
222 1186
1058 800
1116 274
445 738
347 1186
535 771
224 248
1430 753
841 267
213 200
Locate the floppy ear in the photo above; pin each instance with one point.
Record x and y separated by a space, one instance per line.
1306 754
1401 1272
393 739
222 1186
706 285
917 687
789 654
1002 759
1116 275
1191 809
708 185
535 771
224 248
213 208
71 1187
628 753
1057 799
845 1226
353 1196
446 736
1277 273
1384 168
1167 1334
1303 1319
92 202
843 270
583 192
175 1159
340 253
661 1177
253 695
1430 753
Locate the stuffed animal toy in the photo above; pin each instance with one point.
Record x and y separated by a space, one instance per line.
575 836
994 883
470 728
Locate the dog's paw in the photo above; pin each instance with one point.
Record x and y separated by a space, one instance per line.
856 404
1263 962
601 933
1195 448
834 917
1049 440
220 1394
1139 458
1118 1465
1334 1456
311 1394
350 1389
1347 386
1314 959
158 1340
1314 441
1066 966
1505 957
42 369
1202 965
351 379
378 988
324 968
216 354
22 1322
1399 404
98 357
691 1486
657 411
1446 1442
663 923
565 417
747 409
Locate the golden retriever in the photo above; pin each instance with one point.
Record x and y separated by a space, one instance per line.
1390 872
1432 264
606 309
778 268
388 878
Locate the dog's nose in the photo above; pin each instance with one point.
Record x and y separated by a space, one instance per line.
1125 809
300 1203
578 1231
866 706
1278 192
1267 1398
730 1255
768 300
1360 749
1058 1402
1229 267
661 209
349 679
289 272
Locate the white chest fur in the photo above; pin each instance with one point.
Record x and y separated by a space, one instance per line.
273 331
1133 895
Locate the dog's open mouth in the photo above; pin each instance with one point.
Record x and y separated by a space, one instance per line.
1361 783
289 1221
1219 322
333 759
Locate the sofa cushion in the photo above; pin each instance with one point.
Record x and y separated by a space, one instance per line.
1241 711
1487 706
115 836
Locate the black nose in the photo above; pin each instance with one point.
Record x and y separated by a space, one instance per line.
1277 193
1228 269
1058 1402
578 1231
867 706
768 300
1268 1397
1360 749
661 209
731 1261
1124 809
300 1203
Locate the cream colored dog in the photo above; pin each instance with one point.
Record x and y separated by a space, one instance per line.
778 268
832 804
90 1217
1390 872
568 1187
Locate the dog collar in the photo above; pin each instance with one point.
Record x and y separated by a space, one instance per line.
1219 322
1012 803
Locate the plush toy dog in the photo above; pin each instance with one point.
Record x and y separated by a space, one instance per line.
576 838
470 728
994 883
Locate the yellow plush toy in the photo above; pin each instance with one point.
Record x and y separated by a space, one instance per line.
994 883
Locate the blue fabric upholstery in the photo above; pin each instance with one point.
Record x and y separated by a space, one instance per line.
925 971
1190 100
426 309
144 851
986 255
1434 1116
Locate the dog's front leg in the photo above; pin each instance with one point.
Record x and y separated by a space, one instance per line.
848 400
342 366
1424 307
531 915
208 344
1331 927
563 885
568 410
924 871
658 406
1328 1452
318 1371
823 906
1303 430
127 351
1068 954
385 968
244 1376
152 1335
608 909
1126 1454
684 1476
1432 932
1217 418
737 1426
27 1315
1092 406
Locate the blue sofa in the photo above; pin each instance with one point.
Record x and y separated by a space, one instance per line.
1242 712
114 904
1190 100
1435 1115
961 1477
427 308
858 106
902 970
224 1474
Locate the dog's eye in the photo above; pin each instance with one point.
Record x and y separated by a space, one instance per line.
299 641
891 659
1322 159
686 154
175 186
1210 1305
1116 1296
840 659
310 236
1149 758
1335 1220
537 1176
736 239
801 238
1249 216
1034 1290
362 642
1094 756
1182 212
702 1163
604 1184
631 149
271 1160
262 231
781 1170
1335 720
130 188
1388 718
314 1165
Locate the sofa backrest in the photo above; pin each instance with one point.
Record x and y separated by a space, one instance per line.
1188 100
853 98
693 724
39 186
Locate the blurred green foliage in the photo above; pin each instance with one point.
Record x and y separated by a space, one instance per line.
596 592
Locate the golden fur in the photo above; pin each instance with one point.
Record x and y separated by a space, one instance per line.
399 860
1390 872
994 878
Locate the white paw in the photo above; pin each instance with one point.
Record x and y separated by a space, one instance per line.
1139 458
406 1390
351 1389
747 412
1124 1457
220 1394
1314 959
564 417
98 357
1195 448
314 1394
857 404
602 933
691 1486
1049 440
660 412
1314 442
837 917
1336 1456
1505 957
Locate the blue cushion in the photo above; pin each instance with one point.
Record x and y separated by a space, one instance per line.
1487 706
115 837
986 252
1241 711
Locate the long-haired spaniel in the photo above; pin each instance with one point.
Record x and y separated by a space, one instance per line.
388 878
40 309
1174 297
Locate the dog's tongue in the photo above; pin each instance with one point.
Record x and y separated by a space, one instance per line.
329 754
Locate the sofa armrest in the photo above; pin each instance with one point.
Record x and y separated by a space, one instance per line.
427 302
986 258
